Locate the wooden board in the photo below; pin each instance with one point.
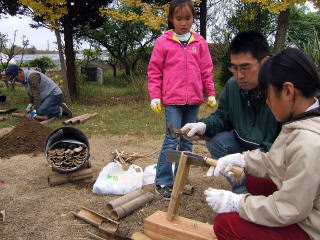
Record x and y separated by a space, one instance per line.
158 227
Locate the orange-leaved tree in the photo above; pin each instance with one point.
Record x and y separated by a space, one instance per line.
282 8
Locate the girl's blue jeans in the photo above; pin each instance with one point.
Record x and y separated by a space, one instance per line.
222 144
50 106
177 116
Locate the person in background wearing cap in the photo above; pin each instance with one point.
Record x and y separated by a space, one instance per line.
45 95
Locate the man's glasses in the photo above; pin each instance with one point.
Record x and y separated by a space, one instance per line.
244 69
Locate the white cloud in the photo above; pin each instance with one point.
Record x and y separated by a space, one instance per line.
40 38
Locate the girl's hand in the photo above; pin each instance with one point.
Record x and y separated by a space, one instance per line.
222 201
225 164
156 105
212 101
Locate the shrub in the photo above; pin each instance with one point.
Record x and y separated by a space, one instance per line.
44 63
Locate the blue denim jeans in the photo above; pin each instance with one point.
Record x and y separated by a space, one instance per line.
222 144
50 106
177 116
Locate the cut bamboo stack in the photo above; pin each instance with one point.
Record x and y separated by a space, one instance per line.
123 206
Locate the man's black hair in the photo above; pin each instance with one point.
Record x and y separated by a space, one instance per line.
250 42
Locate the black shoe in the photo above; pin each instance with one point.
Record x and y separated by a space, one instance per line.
164 192
66 111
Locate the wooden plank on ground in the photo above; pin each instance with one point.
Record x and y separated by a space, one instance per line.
157 227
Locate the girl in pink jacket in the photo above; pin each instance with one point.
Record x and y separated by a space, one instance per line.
179 75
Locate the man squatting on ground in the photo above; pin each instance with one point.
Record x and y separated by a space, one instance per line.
243 121
44 94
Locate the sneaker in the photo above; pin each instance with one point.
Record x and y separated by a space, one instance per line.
66 111
164 191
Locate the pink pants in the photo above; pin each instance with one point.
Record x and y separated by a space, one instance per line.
230 226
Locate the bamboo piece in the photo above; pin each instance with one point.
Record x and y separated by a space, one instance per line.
129 207
79 119
179 183
48 120
57 178
2 215
139 236
124 199
101 222
21 115
157 227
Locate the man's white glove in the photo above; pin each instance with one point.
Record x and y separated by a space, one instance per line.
29 107
156 105
222 201
194 128
212 101
225 164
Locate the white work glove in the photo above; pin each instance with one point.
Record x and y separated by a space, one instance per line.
212 101
225 164
222 201
156 105
29 107
193 128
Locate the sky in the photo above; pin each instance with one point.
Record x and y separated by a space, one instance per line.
41 38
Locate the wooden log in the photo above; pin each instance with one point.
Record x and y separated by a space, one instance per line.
21 115
79 119
131 206
57 178
157 227
140 236
124 199
101 222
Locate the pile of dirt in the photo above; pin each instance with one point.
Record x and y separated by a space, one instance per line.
28 136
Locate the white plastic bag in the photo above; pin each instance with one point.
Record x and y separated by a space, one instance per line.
149 174
114 180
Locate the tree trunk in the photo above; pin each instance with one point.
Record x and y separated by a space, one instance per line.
282 26
63 66
70 56
203 19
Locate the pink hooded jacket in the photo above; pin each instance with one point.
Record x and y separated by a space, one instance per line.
179 75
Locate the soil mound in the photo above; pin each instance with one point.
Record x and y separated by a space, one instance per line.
27 136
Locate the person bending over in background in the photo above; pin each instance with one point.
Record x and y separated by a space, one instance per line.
243 121
179 74
44 94
292 211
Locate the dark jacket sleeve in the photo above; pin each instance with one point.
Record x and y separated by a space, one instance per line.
34 82
219 120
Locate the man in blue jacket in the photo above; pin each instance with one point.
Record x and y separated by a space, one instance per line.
44 94
243 121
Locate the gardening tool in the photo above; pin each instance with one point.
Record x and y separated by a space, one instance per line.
194 159
178 132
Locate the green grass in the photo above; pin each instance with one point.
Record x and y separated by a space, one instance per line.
130 115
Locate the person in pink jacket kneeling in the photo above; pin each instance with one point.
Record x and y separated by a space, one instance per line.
290 82
179 75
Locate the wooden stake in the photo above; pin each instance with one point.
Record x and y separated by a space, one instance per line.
178 187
